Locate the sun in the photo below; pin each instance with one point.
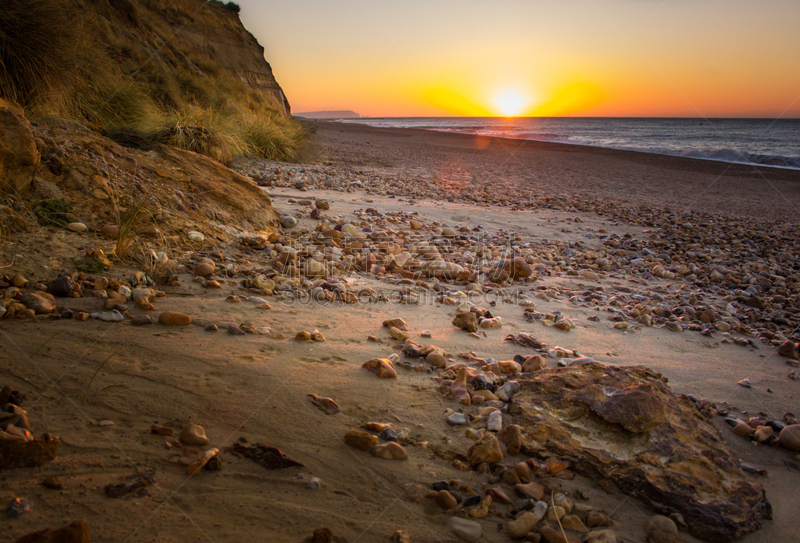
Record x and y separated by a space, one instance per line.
510 103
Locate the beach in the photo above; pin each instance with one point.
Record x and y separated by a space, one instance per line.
605 237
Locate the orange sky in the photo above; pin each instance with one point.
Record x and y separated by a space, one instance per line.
712 58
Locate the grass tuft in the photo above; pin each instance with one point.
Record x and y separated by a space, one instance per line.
132 222
54 212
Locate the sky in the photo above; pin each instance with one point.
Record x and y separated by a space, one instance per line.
640 58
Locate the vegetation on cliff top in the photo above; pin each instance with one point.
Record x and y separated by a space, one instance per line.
119 67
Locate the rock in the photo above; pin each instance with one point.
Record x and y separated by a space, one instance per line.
595 519
327 405
790 437
398 334
660 523
161 430
235 330
466 321
511 436
382 367
19 155
41 302
287 222
507 391
788 349
517 269
436 359
173 318
192 434
204 269
21 452
442 269
61 287
522 526
632 408
195 236
314 268
457 419
486 449
77 227
445 500
398 323
534 363
110 231
551 535
108 316
76 532
763 433
482 509
358 439
743 429
573 524
322 205
532 491
467 530
52 482
494 422
400 537
602 536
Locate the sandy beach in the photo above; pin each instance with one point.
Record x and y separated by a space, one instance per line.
609 237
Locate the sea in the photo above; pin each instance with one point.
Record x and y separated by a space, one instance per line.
769 142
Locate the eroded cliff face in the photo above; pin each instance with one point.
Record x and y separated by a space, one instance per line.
220 34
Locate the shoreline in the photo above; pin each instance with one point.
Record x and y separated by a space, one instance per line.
735 169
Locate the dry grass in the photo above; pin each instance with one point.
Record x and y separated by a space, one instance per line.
117 67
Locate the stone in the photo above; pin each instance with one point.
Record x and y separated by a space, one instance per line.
660 523
602 536
398 334
382 367
551 535
61 287
436 359
466 321
204 269
522 526
790 437
110 231
19 155
322 205
457 419
533 491
445 500
511 436
77 227
42 303
287 222
108 316
595 519
788 349
442 269
486 449
161 430
398 323
358 439
633 409
173 318
76 532
494 422
192 434
389 451
482 509
573 524
517 269
195 236
466 530
534 363
507 391
328 405
400 537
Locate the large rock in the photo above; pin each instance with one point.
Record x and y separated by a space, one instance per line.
442 269
77 532
16 452
19 156
624 424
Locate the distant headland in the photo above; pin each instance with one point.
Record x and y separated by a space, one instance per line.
346 114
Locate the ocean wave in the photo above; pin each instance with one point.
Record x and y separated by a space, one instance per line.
743 157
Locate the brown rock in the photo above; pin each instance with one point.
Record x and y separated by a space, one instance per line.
322 205
466 321
445 500
19 155
16 452
52 482
111 231
522 526
790 437
486 449
518 269
398 323
595 519
511 436
499 495
358 439
192 434
634 405
573 524
551 535
77 532
534 363
204 269
531 490
602 536
389 451
161 430
382 367
788 349
173 318
42 303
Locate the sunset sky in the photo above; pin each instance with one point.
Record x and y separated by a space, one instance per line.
687 58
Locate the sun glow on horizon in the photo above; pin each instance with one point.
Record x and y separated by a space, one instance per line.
510 102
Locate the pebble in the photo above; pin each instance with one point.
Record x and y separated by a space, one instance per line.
77 227
660 523
108 316
235 330
358 439
173 318
522 526
382 367
486 449
192 434
495 422
790 437
457 419
195 236
507 391
467 530
445 500
287 222
314 483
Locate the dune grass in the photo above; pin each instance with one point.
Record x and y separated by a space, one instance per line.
118 68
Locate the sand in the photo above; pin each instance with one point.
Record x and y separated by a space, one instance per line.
256 387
